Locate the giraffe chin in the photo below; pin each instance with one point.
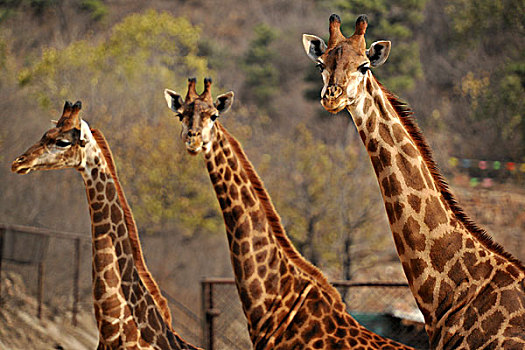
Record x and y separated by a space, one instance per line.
333 106
20 168
21 171
194 151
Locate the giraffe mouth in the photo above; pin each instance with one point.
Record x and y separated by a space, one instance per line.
22 171
20 167
193 150
333 105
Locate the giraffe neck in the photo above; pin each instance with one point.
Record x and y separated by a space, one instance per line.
280 291
126 309
259 261
446 258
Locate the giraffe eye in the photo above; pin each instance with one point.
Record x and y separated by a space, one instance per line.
63 143
364 68
214 116
320 66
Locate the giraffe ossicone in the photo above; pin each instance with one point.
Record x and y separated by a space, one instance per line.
470 291
129 309
288 303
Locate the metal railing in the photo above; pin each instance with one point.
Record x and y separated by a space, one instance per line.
385 308
28 245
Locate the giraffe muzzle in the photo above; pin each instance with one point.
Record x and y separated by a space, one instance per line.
334 99
333 92
194 144
19 166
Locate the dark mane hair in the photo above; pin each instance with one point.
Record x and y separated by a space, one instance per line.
136 249
406 117
274 220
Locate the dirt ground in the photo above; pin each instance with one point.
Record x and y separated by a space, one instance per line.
21 326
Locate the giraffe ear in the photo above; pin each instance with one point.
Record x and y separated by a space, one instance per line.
378 52
224 102
174 100
314 46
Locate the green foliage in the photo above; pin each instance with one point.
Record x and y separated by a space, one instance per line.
473 20
261 74
500 103
171 185
139 48
96 8
495 87
7 63
38 6
313 186
121 81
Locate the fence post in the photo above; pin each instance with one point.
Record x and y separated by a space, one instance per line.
204 307
1 256
40 291
209 313
76 278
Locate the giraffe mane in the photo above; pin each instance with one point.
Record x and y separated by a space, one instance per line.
136 249
274 218
408 120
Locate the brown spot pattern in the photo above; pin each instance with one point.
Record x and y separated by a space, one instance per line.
384 132
414 238
443 249
434 213
410 173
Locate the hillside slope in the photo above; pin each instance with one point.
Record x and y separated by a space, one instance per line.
21 328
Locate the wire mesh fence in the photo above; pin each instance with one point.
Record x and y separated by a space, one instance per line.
26 247
387 309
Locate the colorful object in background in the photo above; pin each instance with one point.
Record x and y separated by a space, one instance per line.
487 182
485 165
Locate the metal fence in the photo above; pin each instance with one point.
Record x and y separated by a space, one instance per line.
387 309
25 245
33 250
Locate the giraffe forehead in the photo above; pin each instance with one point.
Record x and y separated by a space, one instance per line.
53 133
203 106
344 55
198 113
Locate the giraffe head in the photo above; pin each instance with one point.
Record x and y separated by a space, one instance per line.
344 62
197 114
60 147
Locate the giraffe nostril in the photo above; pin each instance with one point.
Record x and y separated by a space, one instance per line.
333 91
20 159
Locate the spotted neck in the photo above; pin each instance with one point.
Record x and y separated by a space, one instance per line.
129 308
286 300
448 261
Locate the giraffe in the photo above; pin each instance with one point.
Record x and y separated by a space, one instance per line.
129 309
288 303
470 291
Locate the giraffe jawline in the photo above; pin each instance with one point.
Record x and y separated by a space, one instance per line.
333 106
20 168
22 171
335 110
194 151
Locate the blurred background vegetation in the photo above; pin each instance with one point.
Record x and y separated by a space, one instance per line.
459 63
